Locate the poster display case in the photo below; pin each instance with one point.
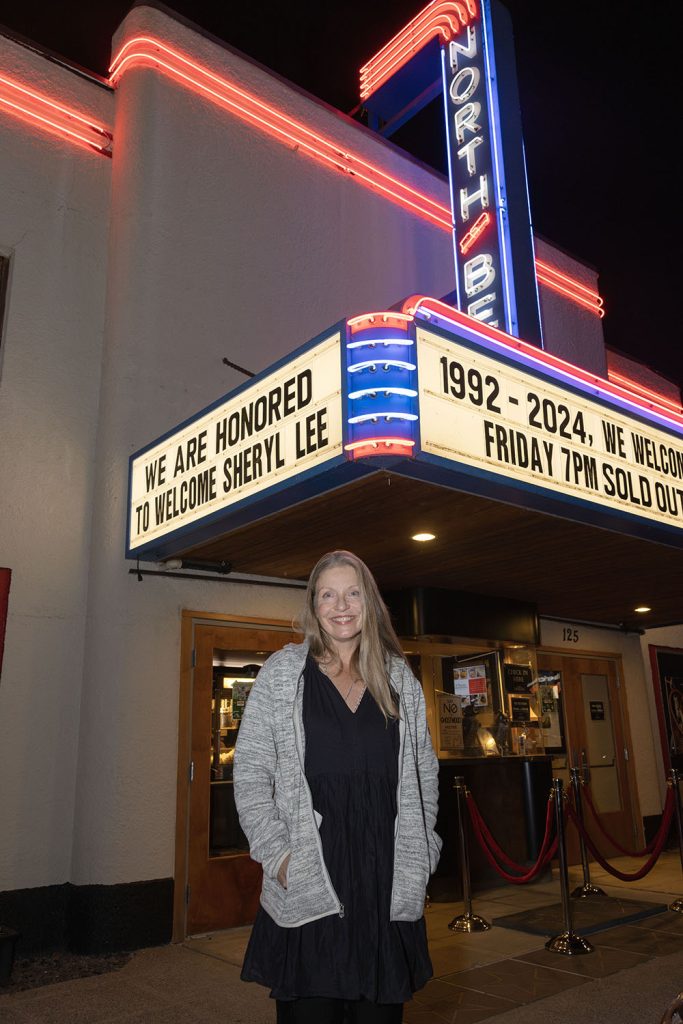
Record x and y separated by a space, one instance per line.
497 703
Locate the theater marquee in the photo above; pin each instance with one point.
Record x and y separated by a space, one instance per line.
275 427
501 419
434 396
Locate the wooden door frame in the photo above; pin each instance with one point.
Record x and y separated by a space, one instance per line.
631 777
189 621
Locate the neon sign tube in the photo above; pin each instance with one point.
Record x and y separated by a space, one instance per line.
50 115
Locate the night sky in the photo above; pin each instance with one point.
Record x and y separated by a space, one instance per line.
596 86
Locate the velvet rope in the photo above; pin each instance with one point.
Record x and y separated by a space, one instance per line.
493 845
649 864
627 853
488 845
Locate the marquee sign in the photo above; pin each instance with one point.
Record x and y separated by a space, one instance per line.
280 425
431 395
502 419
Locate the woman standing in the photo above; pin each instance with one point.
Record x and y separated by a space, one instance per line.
336 789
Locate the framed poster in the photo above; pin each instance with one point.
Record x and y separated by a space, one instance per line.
449 716
667 679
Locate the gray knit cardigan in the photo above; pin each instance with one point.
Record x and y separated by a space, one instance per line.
275 806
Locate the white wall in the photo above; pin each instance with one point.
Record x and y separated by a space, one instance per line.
54 204
639 704
569 330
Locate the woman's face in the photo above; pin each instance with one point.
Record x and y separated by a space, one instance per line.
339 605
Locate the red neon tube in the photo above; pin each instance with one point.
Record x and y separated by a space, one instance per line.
147 50
442 18
576 296
144 49
385 318
479 226
438 307
561 276
633 385
52 116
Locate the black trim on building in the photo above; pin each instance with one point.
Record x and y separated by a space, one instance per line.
433 611
90 918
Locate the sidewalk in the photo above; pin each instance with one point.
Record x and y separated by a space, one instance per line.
501 974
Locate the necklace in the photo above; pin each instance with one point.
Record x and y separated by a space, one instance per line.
360 696
349 690
353 707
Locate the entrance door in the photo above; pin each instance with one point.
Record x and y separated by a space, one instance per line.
223 881
597 741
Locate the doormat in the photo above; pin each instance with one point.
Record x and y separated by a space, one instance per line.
591 915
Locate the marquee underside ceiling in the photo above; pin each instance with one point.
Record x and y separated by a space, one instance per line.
567 569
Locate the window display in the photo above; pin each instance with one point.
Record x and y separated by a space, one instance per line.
231 688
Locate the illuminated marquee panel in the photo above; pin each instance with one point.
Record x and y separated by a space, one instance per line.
270 432
429 393
503 420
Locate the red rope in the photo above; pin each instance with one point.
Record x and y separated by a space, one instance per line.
493 845
489 845
627 853
649 864
490 841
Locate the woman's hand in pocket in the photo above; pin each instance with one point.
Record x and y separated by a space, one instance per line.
282 872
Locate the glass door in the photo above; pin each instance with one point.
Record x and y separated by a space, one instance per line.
223 883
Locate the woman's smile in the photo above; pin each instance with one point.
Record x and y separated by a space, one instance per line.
339 603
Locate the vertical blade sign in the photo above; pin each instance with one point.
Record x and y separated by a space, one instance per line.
480 225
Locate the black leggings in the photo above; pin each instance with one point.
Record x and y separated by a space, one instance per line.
337 1011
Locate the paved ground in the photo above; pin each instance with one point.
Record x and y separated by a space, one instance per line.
501 974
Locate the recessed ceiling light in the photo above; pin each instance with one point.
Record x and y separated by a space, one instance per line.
642 608
424 536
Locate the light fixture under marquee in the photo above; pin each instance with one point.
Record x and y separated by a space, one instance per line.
422 538
642 609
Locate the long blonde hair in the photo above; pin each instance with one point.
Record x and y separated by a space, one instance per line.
378 642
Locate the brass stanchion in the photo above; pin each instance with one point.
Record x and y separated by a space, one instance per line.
677 905
582 892
567 942
467 922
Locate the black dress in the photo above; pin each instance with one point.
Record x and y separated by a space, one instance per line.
352 770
